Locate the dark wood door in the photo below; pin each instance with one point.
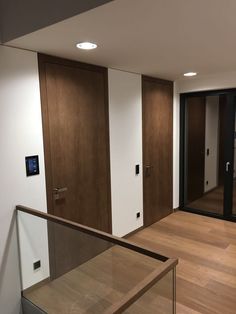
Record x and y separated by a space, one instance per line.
222 137
195 140
157 148
76 139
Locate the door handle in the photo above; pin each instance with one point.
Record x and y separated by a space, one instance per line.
59 190
148 170
227 166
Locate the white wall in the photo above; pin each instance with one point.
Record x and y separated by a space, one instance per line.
125 112
199 83
211 143
33 241
20 135
176 129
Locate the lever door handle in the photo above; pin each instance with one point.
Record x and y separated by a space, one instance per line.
59 190
148 170
227 166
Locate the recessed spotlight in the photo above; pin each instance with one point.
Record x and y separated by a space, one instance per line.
86 45
190 74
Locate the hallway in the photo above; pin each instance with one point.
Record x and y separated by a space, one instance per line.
206 248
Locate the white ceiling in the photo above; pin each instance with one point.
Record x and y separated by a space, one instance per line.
162 38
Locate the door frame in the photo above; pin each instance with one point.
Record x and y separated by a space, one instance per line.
228 180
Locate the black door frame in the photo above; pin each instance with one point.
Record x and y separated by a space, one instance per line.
229 152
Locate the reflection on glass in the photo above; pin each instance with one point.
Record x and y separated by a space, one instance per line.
80 273
159 299
204 153
234 176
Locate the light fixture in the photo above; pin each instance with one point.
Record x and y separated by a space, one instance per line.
190 74
86 45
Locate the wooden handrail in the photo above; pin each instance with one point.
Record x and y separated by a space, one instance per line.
142 287
93 232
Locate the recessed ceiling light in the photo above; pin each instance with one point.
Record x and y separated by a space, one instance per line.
86 45
190 74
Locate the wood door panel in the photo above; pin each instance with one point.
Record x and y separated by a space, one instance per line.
76 138
196 121
157 148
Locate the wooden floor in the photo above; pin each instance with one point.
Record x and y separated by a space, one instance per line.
206 248
206 274
104 280
213 201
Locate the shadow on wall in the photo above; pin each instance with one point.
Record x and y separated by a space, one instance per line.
9 269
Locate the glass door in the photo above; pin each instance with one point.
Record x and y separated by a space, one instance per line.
208 170
234 169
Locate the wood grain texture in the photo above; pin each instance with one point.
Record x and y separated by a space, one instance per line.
94 233
74 99
206 248
195 147
76 133
103 281
212 201
139 293
157 99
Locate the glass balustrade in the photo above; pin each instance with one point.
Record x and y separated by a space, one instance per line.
67 268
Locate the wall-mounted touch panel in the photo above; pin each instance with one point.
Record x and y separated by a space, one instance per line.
32 165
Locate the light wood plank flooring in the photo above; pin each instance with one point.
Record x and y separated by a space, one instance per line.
213 200
99 283
206 248
206 274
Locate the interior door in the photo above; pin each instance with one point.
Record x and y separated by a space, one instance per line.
76 139
208 165
157 148
230 157
204 152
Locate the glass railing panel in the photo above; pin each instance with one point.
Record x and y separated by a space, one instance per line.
33 247
159 299
78 272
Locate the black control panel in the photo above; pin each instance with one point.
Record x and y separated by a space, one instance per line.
32 165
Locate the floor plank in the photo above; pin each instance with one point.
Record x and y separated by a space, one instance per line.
206 248
206 274
94 286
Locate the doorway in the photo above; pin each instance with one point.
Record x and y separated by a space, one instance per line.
207 153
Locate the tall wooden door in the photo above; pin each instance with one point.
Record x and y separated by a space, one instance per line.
195 140
76 139
157 148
